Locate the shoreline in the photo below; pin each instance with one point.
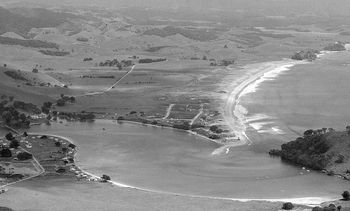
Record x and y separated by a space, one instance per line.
235 118
308 201
236 94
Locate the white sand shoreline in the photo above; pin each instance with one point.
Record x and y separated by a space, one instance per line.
232 113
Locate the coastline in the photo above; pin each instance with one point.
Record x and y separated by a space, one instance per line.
237 94
233 112
308 201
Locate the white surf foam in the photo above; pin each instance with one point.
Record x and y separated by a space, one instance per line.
268 71
270 75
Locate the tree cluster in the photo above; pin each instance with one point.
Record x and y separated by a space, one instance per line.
143 61
12 117
64 99
116 63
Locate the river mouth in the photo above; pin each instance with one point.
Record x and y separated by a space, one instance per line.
166 160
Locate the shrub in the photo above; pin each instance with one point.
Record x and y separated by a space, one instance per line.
317 209
24 156
346 195
287 206
58 144
120 118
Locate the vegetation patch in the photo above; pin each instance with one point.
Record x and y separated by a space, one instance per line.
54 53
27 43
15 75
191 33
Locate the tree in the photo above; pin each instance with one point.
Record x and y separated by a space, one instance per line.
287 206
346 195
14 144
11 98
24 156
61 102
57 144
6 116
105 178
71 146
308 133
72 99
5 153
47 104
9 136
23 117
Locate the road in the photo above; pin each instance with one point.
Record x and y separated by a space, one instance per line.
198 115
168 111
109 88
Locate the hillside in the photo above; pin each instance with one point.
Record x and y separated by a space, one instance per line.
323 149
194 34
29 87
21 21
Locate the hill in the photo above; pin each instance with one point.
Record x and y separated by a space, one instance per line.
191 33
21 21
323 149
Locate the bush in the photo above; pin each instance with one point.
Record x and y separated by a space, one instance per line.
287 206
24 156
120 118
346 195
14 144
58 144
